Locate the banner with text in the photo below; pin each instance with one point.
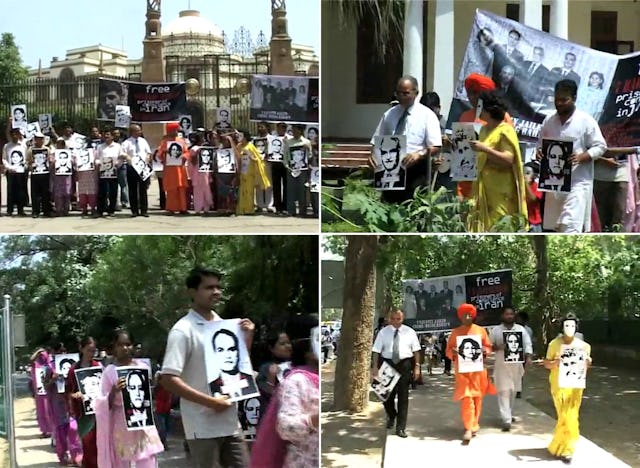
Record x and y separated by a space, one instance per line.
148 102
431 304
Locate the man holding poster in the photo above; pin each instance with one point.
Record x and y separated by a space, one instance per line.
470 386
571 212
210 422
566 392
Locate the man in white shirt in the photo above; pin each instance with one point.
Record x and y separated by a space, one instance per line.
136 147
107 160
396 344
571 212
211 424
507 375
422 129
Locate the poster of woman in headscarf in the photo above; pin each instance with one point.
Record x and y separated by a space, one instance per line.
136 397
572 372
513 347
205 158
89 379
229 370
63 363
555 168
17 160
384 383
388 152
463 158
249 416
19 117
470 357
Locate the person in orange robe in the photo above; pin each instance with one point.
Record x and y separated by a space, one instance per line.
174 178
475 84
470 387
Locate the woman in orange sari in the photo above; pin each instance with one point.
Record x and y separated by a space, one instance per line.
174 177
499 190
470 387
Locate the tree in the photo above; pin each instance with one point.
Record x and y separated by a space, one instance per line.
351 388
12 72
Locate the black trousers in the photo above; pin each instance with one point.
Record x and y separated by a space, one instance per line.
40 194
416 177
16 194
163 196
137 192
279 183
107 195
401 390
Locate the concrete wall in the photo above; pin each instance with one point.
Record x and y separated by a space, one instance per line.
342 118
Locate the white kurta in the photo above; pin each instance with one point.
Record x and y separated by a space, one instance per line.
508 376
571 212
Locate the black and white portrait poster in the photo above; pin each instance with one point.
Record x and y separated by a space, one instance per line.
298 159
526 63
261 145
311 133
17 159
45 123
63 162
385 381
284 99
314 180
555 168
572 370
229 370
463 158
40 373
148 102
136 397
249 416
223 120
89 380
275 149
32 129
225 161
206 156
186 124
19 117
388 152
174 154
62 364
123 116
513 346
108 168
40 161
469 349
141 167
85 160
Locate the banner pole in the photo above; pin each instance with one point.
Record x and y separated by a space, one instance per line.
8 365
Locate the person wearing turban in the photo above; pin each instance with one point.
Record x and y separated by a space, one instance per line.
470 387
475 84
174 178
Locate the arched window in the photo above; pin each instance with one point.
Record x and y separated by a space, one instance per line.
68 85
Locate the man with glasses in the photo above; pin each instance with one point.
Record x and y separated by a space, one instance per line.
422 129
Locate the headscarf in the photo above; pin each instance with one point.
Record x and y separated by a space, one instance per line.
173 127
479 83
467 309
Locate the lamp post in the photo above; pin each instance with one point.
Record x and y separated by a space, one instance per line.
7 364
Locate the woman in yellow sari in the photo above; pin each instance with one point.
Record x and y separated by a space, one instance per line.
253 174
566 400
500 188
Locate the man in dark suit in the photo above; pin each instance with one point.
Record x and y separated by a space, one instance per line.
565 72
231 381
536 75
391 176
511 89
511 47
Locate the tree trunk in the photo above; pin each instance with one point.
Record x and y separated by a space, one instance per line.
540 292
351 385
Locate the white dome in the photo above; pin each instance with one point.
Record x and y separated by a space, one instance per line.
190 22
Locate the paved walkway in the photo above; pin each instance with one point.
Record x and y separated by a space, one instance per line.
435 431
34 452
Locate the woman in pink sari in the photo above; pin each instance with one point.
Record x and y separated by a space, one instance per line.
201 181
118 447
39 361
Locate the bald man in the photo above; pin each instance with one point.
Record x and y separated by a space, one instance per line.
136 147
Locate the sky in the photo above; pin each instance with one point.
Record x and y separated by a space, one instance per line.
43 29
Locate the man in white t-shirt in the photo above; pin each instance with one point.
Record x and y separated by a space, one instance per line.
211 424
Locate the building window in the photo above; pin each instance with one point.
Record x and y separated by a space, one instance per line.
513 13
376 77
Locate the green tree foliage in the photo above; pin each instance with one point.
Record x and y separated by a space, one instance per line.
69 286
11 71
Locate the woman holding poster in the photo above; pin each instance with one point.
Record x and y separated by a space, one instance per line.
253 174
470 386
568 359
174 177
499 190
118 446
39 361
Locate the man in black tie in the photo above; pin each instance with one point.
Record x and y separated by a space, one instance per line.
396 344
536 75
565 72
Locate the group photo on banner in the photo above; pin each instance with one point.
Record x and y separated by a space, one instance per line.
284 98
